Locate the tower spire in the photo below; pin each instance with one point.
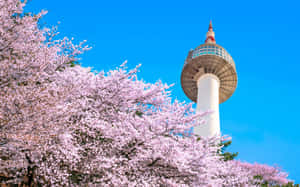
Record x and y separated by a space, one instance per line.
210 35
210 26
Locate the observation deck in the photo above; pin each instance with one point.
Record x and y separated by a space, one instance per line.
209 58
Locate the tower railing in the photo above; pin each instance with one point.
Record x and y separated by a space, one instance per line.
213 50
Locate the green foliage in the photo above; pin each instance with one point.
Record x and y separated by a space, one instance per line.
290 184
139 113
73 63
227 155
22 83
68 64
76 177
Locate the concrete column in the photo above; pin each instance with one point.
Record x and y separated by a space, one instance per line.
208 100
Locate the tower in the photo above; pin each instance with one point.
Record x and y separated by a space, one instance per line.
209 78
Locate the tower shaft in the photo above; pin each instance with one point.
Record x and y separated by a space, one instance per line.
208 100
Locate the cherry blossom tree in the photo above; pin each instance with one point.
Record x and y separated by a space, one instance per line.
65 125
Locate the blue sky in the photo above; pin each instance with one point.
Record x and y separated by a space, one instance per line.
263 38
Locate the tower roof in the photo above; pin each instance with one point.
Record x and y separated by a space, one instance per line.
210 35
